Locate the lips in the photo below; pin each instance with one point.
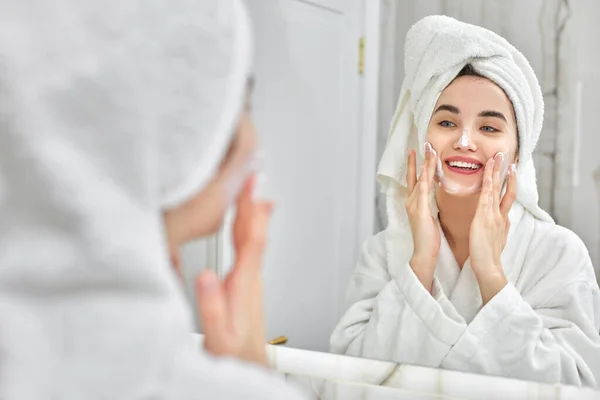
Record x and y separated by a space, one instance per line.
463 165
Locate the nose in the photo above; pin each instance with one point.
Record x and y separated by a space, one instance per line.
465 141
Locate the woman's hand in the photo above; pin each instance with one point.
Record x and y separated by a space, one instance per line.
425 232
489 228
232 311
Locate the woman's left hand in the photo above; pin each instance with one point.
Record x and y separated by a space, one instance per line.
489 228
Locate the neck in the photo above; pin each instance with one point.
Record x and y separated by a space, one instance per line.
456 214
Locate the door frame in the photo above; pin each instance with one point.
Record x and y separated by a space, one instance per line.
371 31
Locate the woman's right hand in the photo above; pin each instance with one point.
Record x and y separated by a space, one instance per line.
425 232
232 311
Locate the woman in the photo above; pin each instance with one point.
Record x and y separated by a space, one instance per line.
122 135
470 273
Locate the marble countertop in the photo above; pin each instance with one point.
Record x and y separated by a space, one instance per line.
330 376
325 374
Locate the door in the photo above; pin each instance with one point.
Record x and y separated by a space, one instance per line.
306 106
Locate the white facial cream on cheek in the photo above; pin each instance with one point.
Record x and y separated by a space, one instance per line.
235 183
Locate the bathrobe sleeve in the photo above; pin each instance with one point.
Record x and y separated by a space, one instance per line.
394 318
550 332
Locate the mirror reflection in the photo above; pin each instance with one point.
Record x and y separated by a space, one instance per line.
435 184
361 193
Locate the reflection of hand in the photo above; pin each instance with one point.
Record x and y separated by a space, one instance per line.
232 311
425 233
489 229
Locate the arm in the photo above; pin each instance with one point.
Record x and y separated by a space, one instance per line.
394 318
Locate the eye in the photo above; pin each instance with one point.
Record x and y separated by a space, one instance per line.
489 129
447 124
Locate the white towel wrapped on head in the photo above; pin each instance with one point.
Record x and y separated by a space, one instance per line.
437 48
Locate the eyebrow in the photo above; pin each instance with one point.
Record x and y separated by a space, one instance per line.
494 114
486 113
447 107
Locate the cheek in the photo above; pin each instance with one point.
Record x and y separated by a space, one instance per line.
440 141
507 147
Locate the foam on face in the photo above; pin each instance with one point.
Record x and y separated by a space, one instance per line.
252 166
464 139
237 180
456 187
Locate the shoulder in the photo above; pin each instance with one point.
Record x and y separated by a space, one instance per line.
558 239
373 256
562 250
375 244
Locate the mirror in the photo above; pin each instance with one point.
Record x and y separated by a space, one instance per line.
328 76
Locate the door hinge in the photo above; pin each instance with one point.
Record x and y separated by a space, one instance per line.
361 55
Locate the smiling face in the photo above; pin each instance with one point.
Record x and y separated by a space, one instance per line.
472 121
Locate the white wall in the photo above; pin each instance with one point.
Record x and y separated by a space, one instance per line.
560 39
586 195
195 257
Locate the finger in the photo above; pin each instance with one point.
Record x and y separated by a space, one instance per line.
243 212
485 198
245 199
423 187
431 167
488 170
511 192
496 183
254 242
411 171
213 312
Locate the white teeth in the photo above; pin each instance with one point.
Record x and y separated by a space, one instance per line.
461 164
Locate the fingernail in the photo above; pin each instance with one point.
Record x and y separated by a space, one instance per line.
512 169
428 146
501 155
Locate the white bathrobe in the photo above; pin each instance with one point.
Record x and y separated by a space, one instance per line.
544 324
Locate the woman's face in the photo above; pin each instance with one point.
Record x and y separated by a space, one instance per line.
472 121
203 214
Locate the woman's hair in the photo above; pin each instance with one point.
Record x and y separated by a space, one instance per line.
468 70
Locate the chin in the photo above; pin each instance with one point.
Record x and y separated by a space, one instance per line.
461 192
